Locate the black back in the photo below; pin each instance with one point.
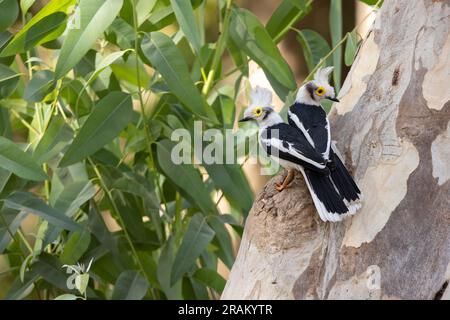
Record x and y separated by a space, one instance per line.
290 137
314 121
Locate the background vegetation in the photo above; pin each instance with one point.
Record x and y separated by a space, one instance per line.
90 92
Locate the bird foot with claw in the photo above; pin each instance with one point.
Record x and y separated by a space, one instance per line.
281 187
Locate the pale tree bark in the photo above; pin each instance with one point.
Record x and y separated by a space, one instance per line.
392 128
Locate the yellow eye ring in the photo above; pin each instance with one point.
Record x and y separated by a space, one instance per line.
257 111
320 91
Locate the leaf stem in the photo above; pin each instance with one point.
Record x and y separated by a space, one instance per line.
322 60
278 37
11 234
24 240
138 73
117 213
220 47
24 122
141 102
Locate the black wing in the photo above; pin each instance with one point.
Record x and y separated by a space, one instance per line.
313 122
287 143
342 179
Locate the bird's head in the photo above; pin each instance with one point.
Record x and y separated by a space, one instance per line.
260 109
318 89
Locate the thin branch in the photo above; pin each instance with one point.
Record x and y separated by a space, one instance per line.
220 47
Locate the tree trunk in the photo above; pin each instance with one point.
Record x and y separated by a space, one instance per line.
392 128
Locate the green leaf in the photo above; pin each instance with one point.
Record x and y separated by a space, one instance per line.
39 86
162 15
73 196
9 11
351 47
104 63
314 46
196 239
81 282
165 265
229 219
45 30
140 186
225 253
287 14
227 110
66 296
50 29
25 5
30 203
5 130
135 184
126 70
131 214
232 181
252 38
13 159
9 225
55 138
99 229
159 19
130 286
95 17
372 2
143 10
73 91
336 36
75 247
184 176
210 278
239 58
5 37
186 19
50 268
8 81
68 201
20 289
165 57
109 117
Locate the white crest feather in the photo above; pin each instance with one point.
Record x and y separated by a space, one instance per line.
260 97
322 74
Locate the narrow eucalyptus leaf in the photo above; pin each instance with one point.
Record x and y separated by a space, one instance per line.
95 17
30 203
252 38
109 117
165 57
9 11
13 159
130 286
197 237
46 25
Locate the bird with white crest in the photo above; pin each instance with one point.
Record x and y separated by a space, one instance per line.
308 116
287 145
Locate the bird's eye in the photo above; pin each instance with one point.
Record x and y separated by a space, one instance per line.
257 111
320 91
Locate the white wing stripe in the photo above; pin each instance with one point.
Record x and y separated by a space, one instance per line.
291 150
326 154
300 125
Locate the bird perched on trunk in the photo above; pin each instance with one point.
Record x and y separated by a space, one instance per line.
285 144
308 116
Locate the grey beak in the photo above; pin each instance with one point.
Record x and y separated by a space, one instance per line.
334 99
245 119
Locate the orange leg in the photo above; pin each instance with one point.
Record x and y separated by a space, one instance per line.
287 181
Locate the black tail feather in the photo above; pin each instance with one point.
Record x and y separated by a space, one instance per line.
324 190
342 179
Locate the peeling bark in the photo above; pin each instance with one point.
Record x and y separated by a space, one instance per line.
393 130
